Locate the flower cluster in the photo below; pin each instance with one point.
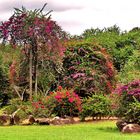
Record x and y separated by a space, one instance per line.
131 89
31 27
38 105
65 102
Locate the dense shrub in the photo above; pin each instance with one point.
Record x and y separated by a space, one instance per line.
96 106
63 102
129 102
35 108
88 69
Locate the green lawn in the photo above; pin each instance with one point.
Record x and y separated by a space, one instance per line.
84 131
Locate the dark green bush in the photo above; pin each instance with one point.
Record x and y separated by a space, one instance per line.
4 86
96 106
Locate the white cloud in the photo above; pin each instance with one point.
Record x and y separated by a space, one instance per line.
77 15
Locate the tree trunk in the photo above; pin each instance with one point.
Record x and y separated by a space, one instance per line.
30 73
35 60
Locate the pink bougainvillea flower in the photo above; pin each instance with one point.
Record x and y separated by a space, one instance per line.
59 88
57 97
71 100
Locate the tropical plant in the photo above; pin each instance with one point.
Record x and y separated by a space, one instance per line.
129 100
88 69
37 34
96 106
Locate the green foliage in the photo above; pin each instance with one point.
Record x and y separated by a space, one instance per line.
131 70
119 45
3 86
133 112
48 75
96 106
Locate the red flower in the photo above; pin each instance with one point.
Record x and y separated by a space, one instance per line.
71 100
57 97
67 93
42 106
59 88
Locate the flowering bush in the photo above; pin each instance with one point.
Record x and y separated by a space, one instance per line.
129 101
39 38
63 102
88 69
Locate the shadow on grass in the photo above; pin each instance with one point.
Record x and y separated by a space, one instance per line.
109 129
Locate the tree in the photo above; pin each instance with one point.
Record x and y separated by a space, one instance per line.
36 33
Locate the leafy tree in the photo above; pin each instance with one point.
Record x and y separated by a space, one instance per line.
37 34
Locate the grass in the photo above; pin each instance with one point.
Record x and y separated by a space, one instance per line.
84 131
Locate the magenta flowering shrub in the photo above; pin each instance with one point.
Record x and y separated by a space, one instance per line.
88 69
130 90
32 29
63 102
129 101
39 38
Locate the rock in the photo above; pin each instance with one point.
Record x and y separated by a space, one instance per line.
131 128
120 124
25 122
31 119
61 121
43 121
16 119
5 119
28 121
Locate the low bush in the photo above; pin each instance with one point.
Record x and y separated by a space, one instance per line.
63 103
96 106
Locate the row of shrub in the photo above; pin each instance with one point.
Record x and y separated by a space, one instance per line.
62 102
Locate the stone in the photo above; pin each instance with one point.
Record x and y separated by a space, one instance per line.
28 121
120 124
131 128
31 119
16 120
43 121
5 119
61 121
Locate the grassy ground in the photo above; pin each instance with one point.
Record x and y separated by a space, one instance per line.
84 131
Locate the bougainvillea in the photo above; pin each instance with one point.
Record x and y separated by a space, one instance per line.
130 90
63 102
38 35
88 69
129 101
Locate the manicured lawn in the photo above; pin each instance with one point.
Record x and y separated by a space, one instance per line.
84 131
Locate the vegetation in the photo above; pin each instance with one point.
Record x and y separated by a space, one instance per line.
88 69
46 72
129 102
96 106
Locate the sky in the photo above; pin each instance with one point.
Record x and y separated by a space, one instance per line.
74 16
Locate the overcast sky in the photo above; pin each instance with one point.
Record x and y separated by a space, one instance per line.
75 16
